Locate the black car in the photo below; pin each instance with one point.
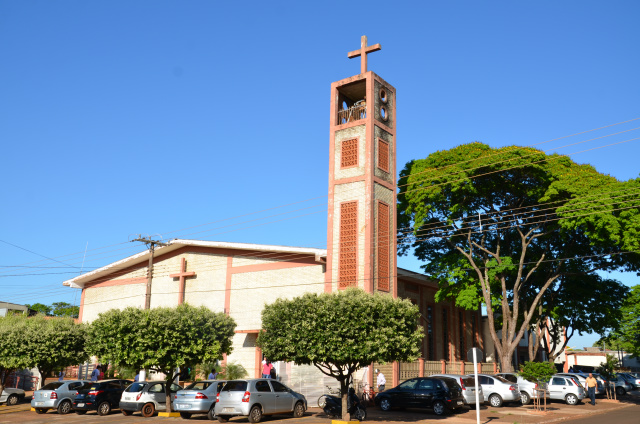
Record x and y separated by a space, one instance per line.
101 396
441 394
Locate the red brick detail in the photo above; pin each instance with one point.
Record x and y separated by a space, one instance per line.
349 154
383 247
348 254
383 155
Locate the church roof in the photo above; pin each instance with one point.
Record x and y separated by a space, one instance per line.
81 280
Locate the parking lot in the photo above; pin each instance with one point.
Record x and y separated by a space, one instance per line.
628 405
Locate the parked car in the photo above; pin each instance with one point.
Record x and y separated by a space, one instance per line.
198 398
468 385
526 387
256 398
497 390
566 388
11 396
631 379
582 379
101 396
56 395
622 386
146 397
441 394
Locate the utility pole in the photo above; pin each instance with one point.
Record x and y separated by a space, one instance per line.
151 244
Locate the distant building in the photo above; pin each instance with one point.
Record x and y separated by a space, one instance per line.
7 308
590 358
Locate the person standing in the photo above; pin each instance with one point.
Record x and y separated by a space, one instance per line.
95 374
591 388
266 369
380 381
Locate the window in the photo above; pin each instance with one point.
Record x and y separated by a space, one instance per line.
557 381
349 156
199 385
347 257
426 385
430 338
156 388
384 242
445 333
114 385
409 384
461 333
235 386
262 386
474 329
383 155
278 387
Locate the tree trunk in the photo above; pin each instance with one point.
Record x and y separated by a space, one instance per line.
167 390
344 390
4 372
506 361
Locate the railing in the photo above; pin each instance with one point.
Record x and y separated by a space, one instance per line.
412 369
354 113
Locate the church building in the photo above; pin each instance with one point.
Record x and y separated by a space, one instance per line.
239 279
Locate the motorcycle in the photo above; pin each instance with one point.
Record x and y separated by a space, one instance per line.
332 406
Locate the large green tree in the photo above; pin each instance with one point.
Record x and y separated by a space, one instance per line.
52 343
341 332
161 339
502 226
13 339
627 337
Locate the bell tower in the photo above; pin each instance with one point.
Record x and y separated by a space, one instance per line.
361 230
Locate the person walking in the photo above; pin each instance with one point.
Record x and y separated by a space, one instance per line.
380 381
266 369
591 388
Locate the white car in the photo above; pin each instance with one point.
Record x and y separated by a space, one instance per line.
566 389
527 388
468 385
11 396
497 390
146 397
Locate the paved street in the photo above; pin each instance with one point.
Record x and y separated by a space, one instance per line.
625 411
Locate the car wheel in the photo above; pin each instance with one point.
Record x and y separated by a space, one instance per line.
223 418
620 391
322 402
525 398
385 404
12 400
104 408
81 412
298 410
571 399
148 409
360 413
255 415
187 415
41 411
439 408
126 413
212 412
64 407
495 400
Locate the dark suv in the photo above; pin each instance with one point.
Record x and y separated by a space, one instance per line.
99 396
441 394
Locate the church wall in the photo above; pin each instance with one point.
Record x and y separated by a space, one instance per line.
250 291
385 195
208 286
384 135
343 193
268 257
116 296
346 134
244 352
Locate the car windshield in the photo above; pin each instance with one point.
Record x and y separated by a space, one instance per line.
235 386
450 382
52 386
501 379
198 385
469 381
85 386
135 387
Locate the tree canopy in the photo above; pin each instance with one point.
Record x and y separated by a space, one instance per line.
627 336
56 309
161 339
13 331
341 332
503 226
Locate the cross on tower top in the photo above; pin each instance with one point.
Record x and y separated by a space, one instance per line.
362 52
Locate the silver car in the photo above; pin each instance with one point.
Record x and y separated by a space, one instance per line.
527 388
566 388
631 379
146 397
56 395
11 396
582 379
497 390
621 384
256 398
468 385
198 398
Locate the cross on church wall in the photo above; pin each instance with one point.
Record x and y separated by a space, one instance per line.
363 52
182 275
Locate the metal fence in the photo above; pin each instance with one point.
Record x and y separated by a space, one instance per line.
354 113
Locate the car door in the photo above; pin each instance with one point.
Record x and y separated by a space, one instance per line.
284 400
557 387
488 386
264 396
156 394
403 396
424 392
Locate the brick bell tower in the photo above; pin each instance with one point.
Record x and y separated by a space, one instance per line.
361 230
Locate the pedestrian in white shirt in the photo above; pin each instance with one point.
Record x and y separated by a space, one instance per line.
381 381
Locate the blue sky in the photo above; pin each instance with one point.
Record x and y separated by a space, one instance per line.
180 118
